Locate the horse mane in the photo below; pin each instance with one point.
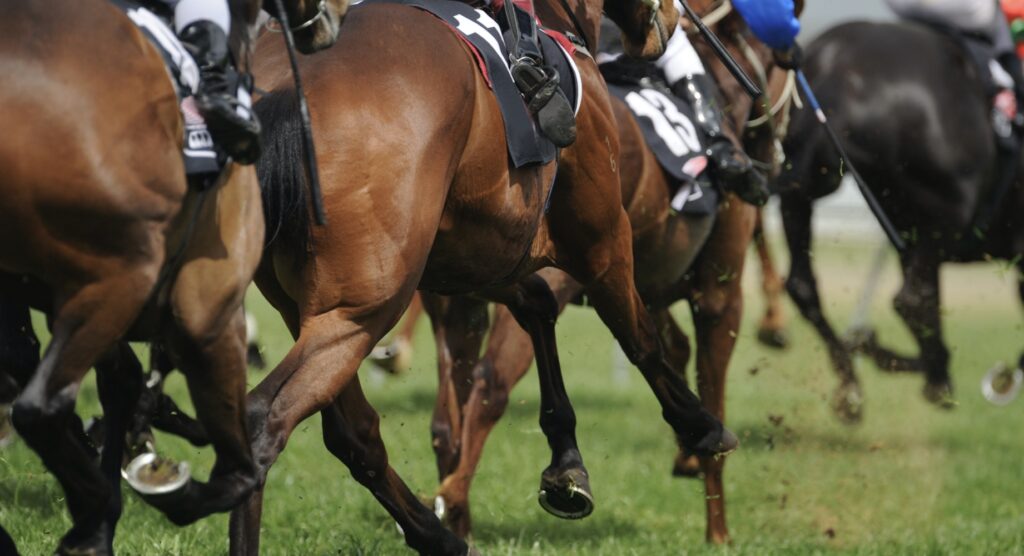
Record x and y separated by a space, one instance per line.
281 173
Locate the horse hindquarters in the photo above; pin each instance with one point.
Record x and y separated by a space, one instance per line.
343 286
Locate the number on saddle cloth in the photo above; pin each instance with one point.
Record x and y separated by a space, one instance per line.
773 22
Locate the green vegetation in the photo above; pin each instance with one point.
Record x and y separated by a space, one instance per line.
911 479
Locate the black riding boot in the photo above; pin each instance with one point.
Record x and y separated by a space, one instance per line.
237 134
732 167
539 84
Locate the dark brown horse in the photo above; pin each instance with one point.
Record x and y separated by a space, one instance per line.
676 257
419 193
918 128
98 215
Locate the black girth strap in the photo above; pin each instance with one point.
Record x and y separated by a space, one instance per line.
576 24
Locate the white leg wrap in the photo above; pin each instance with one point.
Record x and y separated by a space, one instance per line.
191 11
679 59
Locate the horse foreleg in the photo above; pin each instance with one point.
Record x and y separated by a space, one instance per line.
507 359
610 287
85 325
396 356
565 485
119 382
212 358
771 331
847 400
717 312
352 433
459 324
677 350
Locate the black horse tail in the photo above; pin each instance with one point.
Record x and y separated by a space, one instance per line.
281 171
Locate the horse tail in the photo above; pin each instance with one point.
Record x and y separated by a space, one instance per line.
281 172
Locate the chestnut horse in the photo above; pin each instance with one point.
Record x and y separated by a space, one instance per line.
676 257
113 243
419 193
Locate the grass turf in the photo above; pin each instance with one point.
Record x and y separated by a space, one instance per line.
911 479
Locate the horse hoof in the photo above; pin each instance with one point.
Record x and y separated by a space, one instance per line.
858 339
567 494
440 507
716 444
392 358
686 465
848 403
1000 386
6 428
153 476
773 338
940 394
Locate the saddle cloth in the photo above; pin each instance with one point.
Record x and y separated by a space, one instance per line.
526 145
669 131
203 159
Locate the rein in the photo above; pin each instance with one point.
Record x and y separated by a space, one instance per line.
576 23
321 12
307 127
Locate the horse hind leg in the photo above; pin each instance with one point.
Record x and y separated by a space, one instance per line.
351 431
771 331
86 324
918 304
320 366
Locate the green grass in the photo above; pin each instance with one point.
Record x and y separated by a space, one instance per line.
911 479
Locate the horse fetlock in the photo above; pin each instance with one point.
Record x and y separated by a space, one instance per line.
31 415
848 402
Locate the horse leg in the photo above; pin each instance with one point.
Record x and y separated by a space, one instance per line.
352 433
212 358
507 359
119 382
320 365
802 286
565 485
717 312
771 331
677 350
460 324
918 305
396 356
86 324
19 357
608 277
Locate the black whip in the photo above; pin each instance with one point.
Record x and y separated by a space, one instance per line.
307 126
873 204
730 63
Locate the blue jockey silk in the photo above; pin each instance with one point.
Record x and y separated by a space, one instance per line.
773 22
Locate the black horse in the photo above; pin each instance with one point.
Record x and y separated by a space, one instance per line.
912 109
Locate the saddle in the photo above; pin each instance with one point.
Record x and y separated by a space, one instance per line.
204 160
668 129
485 39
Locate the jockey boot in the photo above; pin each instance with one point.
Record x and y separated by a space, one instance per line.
232 125
1010 62
733 169
539 84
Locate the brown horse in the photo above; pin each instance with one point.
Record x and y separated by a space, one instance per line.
473 394
419 193
114 244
